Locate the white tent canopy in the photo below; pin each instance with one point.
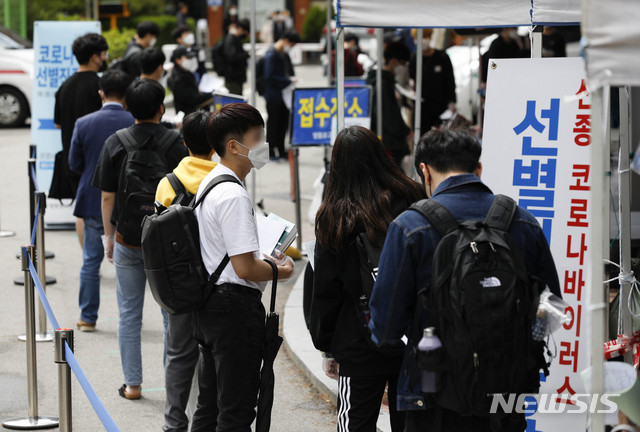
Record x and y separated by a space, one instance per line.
456 13
612 32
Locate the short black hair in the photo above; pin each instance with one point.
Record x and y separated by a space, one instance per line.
150 59
348 37
396 50
114 83
194 131
147 27
245 25
448 150
87 45
231 122
291 36
179 31
144 98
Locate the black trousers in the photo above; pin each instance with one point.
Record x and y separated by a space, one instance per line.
231 329
359 400
442 420
277 125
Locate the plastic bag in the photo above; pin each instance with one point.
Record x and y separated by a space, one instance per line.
550 316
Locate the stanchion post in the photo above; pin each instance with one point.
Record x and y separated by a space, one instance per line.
34 421
296 179
63 336
40 264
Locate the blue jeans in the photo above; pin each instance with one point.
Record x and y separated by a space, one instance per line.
92 256
130 286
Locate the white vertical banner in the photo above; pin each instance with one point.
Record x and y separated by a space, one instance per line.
536 149
54 62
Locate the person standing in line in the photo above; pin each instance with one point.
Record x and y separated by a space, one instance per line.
131 164
278 74
89 135
231 325
146 36
365 192
181 352
77 96
235 68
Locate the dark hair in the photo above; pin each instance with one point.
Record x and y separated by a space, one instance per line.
179 31
147 27
114 83
144 98
348 37
150 59
291 36
396 50
245 25
363 181
231 122
194 131
87 45
448 150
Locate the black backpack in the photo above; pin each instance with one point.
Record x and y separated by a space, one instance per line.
144 166
482 302
183 196
218 58
178 278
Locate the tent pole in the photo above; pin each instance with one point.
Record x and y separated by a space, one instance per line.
598 304
536 41
340 78
624 210
418 105
380 42
252 98
329 42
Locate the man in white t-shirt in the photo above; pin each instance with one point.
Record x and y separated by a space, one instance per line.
231 324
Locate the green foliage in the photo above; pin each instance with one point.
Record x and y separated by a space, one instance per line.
166 23
314 24
117 40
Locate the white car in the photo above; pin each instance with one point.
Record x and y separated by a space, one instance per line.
16 78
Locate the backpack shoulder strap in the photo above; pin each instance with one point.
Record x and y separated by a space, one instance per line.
167 139
501 213
213 183
127 139
437 214
176 184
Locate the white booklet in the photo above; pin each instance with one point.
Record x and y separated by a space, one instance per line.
275 233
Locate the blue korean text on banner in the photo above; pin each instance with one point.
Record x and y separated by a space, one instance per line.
313 109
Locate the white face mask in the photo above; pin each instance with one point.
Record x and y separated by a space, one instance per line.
153 42
259 155
190 64
189 39
426 43
287 48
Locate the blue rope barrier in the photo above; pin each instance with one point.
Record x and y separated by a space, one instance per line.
97 405
33 178
43 297
35 224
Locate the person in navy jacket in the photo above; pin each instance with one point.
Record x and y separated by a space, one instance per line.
89 134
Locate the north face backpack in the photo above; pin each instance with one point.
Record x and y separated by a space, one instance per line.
144 166
178 278
482 303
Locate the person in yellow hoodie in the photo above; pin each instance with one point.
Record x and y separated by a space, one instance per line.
181 349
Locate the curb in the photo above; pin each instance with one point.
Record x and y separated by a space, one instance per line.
298 344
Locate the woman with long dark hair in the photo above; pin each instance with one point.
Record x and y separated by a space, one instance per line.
365 192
